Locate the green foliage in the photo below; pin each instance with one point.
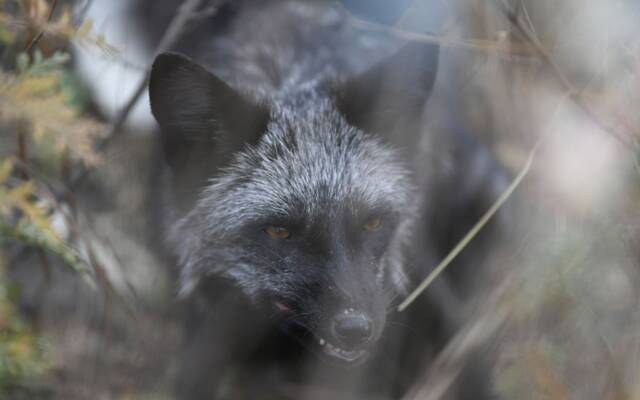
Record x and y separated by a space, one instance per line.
22 353
41 102
39 95
33 226
41 107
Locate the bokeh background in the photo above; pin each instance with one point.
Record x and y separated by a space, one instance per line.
88 310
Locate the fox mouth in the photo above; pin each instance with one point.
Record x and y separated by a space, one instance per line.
349 357
321 346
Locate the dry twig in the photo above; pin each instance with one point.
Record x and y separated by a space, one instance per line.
40 34
482 45
526 31
473 232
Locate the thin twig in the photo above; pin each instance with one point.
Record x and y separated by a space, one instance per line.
628 139
473 232
469 44
513 17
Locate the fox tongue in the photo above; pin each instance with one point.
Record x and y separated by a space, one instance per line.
282 307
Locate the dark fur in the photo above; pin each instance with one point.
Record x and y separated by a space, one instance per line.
297 121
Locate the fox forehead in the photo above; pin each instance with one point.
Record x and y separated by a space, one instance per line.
307 164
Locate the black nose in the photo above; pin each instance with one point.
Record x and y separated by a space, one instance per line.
352 328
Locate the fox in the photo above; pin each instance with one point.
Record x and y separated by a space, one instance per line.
302 197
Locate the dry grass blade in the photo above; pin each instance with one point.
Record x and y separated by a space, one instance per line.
473 232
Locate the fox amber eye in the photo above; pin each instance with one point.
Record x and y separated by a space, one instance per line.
277 232
373 224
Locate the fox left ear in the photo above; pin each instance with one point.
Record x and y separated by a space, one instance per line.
391 91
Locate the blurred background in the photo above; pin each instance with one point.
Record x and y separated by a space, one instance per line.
87 310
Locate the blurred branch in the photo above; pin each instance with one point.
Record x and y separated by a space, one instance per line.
188 12
469 44
526 31
40 34
519 18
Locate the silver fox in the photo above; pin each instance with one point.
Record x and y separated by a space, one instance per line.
299 202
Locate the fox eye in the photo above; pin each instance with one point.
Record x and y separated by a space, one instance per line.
373 224
278 232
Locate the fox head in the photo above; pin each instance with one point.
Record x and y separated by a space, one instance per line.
302 202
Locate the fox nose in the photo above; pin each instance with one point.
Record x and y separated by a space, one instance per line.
352 328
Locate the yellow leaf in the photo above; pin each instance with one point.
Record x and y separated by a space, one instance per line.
36 216
5 170
84 29
21 193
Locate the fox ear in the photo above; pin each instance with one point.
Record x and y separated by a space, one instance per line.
194 107
391 91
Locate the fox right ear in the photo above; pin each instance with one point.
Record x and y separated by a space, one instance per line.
193 106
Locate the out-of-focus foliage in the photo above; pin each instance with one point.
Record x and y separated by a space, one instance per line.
42 129
22 353
24 217
34 94
34 18
39 110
